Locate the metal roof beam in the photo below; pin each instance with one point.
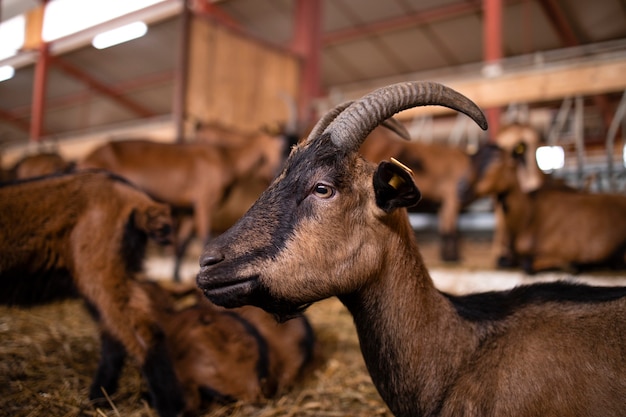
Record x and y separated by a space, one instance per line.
569 38
560 22
207 8
12 118
104 89
307 43
405 21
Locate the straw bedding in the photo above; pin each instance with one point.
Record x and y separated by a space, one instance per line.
49 353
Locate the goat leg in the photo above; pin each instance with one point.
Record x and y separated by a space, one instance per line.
112 356
165 390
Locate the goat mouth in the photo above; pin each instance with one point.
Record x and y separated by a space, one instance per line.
227 293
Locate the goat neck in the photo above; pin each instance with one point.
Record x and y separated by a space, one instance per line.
402 319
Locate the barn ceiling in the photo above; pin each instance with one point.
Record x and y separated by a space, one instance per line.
362 41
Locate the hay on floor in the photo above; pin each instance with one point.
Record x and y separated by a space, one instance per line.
49 354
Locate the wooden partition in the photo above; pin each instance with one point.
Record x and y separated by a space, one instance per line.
237 81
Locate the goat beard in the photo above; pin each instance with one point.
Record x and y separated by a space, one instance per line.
281 309
286 315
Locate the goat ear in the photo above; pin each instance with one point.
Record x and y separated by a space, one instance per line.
394 186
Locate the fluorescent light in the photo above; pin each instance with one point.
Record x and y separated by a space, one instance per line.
64 17
550 158
12 35
624 155
6 73
119 35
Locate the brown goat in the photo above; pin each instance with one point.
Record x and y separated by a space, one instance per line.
192 176
553 227
333 224
226 355
290 345
88 231
38 165
522 140
440 171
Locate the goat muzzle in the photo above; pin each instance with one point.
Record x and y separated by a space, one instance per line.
209 258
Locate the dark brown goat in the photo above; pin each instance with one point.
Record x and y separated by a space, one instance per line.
553 227
192 176
332 224
226 355
88 231
440 172
290 345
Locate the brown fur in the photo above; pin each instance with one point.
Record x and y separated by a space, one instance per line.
91 227
334 225
530 176
215 351
183 175
193 176
38 165
556 227
440 172
290 345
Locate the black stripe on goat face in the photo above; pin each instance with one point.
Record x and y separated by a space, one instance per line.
296 243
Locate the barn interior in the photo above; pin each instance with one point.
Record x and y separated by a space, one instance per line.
278 65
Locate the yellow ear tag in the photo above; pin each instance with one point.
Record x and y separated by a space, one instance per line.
396 180
401 165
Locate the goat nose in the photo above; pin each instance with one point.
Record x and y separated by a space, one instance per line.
209 258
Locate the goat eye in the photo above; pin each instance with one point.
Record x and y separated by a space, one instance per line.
323 190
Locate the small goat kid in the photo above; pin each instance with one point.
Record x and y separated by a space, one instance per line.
332 224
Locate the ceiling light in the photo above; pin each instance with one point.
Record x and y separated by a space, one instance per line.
119 35
64 17
12 35
6 73
550 158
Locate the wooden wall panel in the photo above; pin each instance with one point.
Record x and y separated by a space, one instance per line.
236 81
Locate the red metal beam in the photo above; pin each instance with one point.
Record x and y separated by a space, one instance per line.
182 68
14 119
102 88
406 21
128 86
307 43
569 38
492 41
560 22
39 92
206 8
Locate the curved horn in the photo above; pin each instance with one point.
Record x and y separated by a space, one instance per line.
396 127
330 115
319 128
350 128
